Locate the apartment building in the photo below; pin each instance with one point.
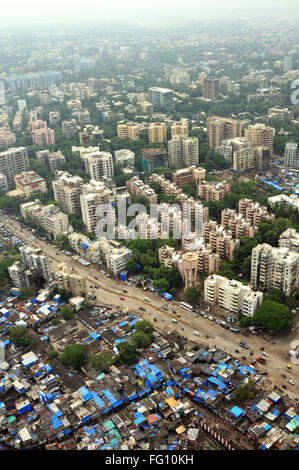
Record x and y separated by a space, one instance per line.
280 114
67 278
253 158
74 104
67 189
229 146
37 261
168 188
54 117
136 187
81 244
284 200
157 132
179 128
145 107
289 239
17 123
115 255
220 128
41 134
161 97
192 175
69 128
220 240
210 88
12 162
212 191
147 227
237 224
130 130
49 217
98 165
124 157
233 296
182 151
7 138
3 183
291 155
83 151
52 160
254 213
153 158
261 135
93 195
275 268
29 183
19 275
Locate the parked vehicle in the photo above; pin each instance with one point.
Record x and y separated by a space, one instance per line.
261 360
244 345
196 333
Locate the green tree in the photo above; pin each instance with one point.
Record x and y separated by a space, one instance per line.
245 391
144 326
127 353
27 293
85 304
142 340
274 316
101 362
74 356
67 313
161 284
192 295
18 335
53 355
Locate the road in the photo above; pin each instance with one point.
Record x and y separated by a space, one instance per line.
110 290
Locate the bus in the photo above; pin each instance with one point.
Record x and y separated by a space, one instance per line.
186 306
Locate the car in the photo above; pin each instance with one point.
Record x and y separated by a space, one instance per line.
207 336
165 308
122 298
142 308
155 319
265 354
253 362
284 386
178 314
283 375
96 278
174 320
226 327
147 299
244 345
262 348
237 350
264 372
196 333
205 316
211 318
251 353
202 313
244 358
218 322
125 291
289 366
291 381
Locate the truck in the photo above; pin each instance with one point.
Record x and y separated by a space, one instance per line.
261 360
235 330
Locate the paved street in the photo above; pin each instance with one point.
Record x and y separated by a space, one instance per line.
110 290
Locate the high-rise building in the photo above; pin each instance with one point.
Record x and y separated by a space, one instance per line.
182 151
67 189
161 97
98 165
251 158
6 137
275 268
53 160
130 130
280 114
136 187
93 194
153 158
229 146
220 128
291 155
12 162
254 213
36 260
210 88
233 296
289 239
69 128
189 269
261 135
157 132
179 128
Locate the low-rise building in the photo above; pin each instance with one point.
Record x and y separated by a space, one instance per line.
67 278
30 183
49 217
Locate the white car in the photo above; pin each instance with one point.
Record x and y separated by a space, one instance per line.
291 381
196 333
265 354
211 318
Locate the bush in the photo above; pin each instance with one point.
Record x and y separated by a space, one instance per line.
74 356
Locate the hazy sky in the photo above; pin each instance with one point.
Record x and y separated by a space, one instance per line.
138 11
